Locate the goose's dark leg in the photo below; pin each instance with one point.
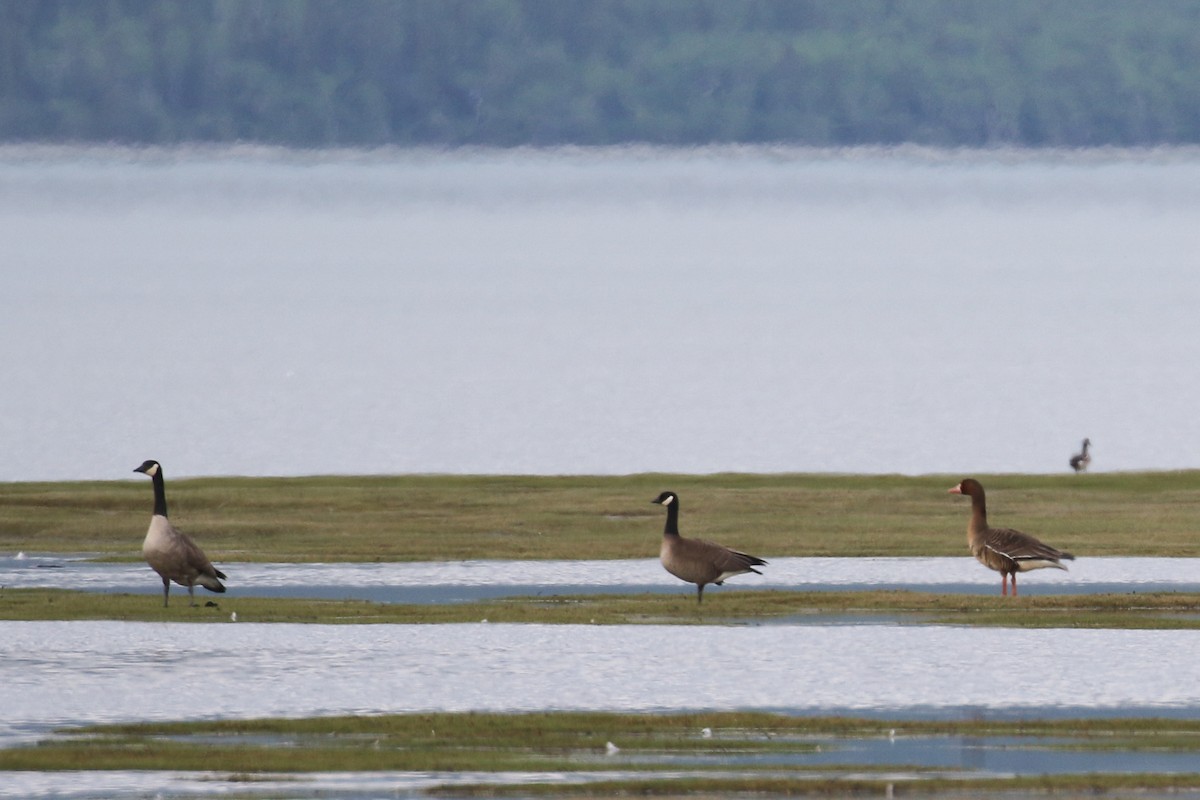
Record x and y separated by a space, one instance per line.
1014 579
166 590
192 595
699 593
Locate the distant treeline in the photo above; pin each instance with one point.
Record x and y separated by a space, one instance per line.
542 72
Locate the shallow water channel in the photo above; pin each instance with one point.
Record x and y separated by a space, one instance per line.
458 581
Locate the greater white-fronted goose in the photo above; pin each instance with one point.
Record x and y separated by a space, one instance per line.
171 552
696 560
1080 461
1003 549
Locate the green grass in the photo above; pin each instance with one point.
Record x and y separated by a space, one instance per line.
1165 610
419 518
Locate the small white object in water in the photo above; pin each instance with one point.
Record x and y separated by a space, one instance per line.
233 617
611 749
892 735
482 621
21 556
706 733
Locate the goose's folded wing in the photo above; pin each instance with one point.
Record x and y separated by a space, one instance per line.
1022 547
729 561
196 558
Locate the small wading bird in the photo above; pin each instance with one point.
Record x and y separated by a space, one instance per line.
1003 549
172 553
695 560
1080 461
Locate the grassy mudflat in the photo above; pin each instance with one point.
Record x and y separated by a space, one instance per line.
415 518
1168 610
756 752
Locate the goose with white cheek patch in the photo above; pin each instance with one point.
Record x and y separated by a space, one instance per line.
1003 549
171 552
696 560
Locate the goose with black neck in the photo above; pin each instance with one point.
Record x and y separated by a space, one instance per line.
696 560
170 552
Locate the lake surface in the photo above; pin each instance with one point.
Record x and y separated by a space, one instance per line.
262 312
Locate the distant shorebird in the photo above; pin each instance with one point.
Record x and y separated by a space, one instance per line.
171 552
695 560
1079 461
1003 549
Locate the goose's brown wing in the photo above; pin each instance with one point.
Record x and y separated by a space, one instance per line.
700 561
1027 551
726 562
209 576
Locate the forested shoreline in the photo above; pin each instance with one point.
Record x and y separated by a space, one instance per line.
316 73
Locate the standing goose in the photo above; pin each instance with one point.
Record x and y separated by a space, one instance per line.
1003 549
695 560
172 553
1080 461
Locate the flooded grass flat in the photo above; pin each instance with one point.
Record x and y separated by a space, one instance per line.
1148 611
867 632
606 754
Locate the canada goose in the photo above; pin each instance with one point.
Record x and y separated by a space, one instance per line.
172 553
1080 461
695 560
1003 549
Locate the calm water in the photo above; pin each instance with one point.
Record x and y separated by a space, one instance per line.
57 673
264 312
